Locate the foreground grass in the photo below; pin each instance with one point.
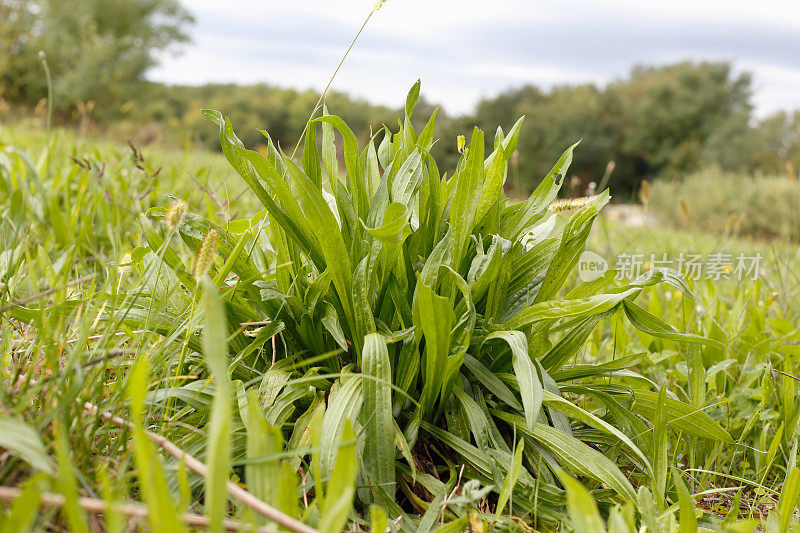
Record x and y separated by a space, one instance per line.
69 343
751 383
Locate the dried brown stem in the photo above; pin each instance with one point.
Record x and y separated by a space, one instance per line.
129 509
198 467
23 301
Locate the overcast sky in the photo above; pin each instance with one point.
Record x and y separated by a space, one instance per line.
465 50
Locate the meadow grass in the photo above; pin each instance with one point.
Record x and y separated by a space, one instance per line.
730 204
319 417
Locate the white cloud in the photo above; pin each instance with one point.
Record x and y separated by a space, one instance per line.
466 49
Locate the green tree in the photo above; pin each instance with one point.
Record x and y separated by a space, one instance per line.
659 120
776 143
98 50
669 113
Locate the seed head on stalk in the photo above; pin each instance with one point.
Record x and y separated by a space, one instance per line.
205 256
175 214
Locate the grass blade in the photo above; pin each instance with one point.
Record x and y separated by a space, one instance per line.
219 428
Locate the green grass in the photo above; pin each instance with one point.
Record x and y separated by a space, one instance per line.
730 204
376 380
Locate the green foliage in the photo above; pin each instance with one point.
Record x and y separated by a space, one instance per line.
219 426
98 50
672 111
659 120
730 204
403 273
305 399
22 440
740 390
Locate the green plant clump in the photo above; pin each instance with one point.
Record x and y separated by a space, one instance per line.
424 309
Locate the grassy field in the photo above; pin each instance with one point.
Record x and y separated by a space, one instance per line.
137 330
730 204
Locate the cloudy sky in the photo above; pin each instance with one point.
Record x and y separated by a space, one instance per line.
465 50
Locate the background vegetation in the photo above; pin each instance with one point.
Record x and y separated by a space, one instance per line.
658 121
759 207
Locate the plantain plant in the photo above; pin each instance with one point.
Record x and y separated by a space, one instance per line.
427 310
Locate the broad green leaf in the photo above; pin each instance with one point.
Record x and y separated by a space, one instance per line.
509 143
287 490
425 140
263 477
413 96
530 386
647 509
555 309
687 518
465 200
660 441
790 495
433 316
479 425
574 454
329 152
597 369
406 182
681 417
492 187
310 156
25 442
395 226
376 414
355 182
652 325
510 481
378 520
582 507
344 407
338 502
697 375
150 472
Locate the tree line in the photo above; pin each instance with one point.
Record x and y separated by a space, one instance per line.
657 121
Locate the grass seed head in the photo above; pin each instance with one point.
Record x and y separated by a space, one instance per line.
570 204
684 207
124 265
645 192
205 256
175 214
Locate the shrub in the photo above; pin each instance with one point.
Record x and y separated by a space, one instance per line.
730 204
425 310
